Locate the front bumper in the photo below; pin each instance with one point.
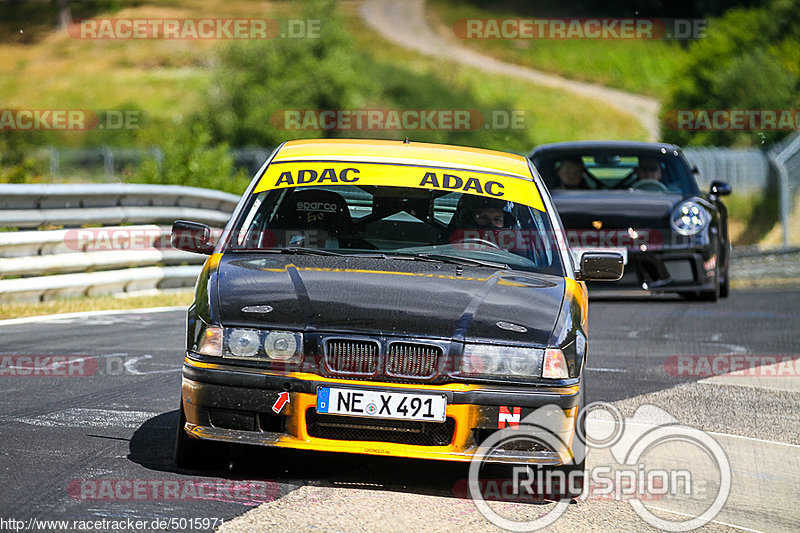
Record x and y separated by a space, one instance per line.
235 404
681 270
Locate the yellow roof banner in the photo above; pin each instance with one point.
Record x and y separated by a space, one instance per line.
281 175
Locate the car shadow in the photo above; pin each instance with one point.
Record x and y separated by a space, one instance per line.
153 442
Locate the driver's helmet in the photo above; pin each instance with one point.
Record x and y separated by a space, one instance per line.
471 205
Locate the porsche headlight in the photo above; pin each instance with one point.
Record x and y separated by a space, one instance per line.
510 361
690 218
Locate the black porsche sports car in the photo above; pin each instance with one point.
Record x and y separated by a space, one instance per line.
641 199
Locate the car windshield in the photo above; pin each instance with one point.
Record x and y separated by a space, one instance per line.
583 170
399 222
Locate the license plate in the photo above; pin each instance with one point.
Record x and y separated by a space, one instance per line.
577 252
379 404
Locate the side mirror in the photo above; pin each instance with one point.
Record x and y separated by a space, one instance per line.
191 237
720 188
601 266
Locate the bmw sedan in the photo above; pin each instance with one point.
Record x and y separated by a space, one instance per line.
386 298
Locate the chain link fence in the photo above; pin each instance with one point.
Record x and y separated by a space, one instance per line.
114 164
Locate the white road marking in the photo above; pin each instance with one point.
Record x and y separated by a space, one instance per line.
82 314
607 369
130 367
79 417
713 521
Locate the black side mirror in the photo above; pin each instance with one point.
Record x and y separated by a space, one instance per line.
601 266
720 188
191 237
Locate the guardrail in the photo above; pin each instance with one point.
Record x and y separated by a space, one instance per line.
38 262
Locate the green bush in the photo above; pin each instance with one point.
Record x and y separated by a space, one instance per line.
748 61
191 158
255 80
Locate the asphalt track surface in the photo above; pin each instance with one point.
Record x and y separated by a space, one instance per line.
98 445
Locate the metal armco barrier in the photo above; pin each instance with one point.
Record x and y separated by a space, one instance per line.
86 256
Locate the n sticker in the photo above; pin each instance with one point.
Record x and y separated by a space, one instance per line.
508 417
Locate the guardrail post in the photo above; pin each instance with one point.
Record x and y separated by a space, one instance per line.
108 162
54 161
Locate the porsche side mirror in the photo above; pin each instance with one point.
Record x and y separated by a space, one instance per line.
191 237
720 188
601 266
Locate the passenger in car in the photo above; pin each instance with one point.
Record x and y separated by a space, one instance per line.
570 173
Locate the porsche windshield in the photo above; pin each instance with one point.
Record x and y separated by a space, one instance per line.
643 171
399 222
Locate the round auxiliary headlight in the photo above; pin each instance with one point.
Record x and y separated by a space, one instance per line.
280 345
690 218
243 342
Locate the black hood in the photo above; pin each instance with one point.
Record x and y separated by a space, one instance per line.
615 209
387 297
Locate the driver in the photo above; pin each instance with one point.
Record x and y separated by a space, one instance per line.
479 212
649 169
481 222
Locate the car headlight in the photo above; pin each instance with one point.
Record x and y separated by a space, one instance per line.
243 342
690 218
253 344
555 364
281 345
210 342
509 361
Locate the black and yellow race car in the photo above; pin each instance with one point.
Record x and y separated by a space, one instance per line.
386 298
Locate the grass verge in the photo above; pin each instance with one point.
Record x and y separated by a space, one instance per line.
639 66
550 114
97 303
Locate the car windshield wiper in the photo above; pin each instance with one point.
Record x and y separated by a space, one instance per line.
305 251
456 260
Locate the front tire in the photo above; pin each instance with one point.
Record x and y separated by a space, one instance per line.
195 454
577 470
725 287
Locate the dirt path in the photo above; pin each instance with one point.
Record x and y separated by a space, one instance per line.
403 22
